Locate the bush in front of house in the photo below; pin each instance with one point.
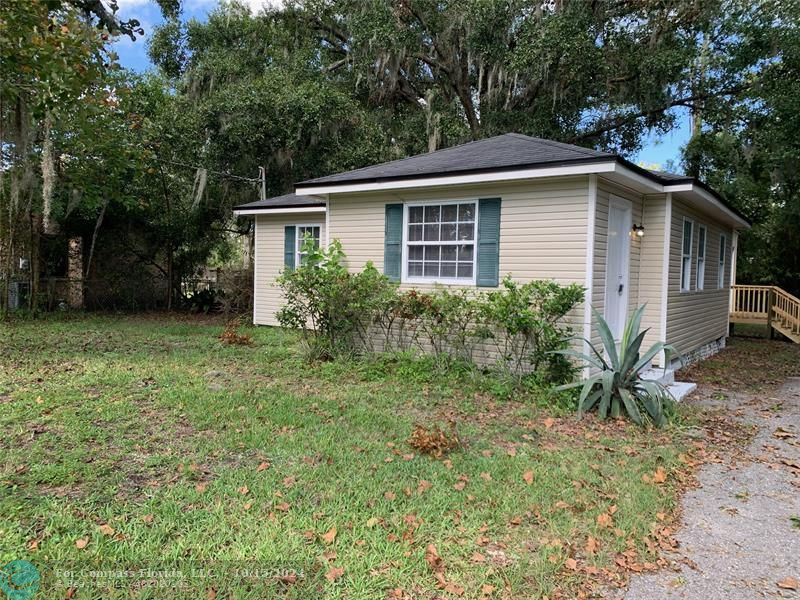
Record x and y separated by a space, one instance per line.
525 322
515 329
617 387
329 305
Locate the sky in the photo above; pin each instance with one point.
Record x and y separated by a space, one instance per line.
657 151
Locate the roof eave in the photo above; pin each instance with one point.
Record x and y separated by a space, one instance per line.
278 210
558 169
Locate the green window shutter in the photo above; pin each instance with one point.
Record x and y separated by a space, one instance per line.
393 242
289 241
488 242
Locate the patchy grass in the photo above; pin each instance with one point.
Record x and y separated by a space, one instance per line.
148 443
749 363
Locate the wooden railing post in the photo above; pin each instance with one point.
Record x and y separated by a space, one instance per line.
770 312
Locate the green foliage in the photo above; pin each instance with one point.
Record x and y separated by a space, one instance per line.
328 304
525 321
618 386
341 313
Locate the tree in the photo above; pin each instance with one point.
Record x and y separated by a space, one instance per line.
594 73
749 148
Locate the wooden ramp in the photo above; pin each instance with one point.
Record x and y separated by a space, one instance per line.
766 305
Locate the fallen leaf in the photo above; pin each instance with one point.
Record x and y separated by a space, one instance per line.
201 487
81 543
372 521
263 466
33 545
549 422
511 451
329 536
591 545
486 476
604 520
390 495
283 507
334 574
248 505
289 481
244 490
660 476
780 433
571 564
148 519
106 529
460 486
487 590
477 557
789 583
528 477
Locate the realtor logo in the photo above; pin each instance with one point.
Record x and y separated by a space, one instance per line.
19 580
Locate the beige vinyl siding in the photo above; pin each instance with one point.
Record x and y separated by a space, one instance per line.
543 227
606 189
651 268
697 317
269 240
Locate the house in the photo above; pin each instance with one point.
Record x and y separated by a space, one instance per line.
532 208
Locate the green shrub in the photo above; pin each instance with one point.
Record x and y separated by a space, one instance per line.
443 322
329 305
618 386
525 322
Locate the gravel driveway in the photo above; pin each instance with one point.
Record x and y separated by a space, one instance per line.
739 538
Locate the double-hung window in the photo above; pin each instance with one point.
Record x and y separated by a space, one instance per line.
440 242
302 233
723 250
701 257
686 257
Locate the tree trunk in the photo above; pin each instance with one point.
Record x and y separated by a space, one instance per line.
75 273
97 225
33 265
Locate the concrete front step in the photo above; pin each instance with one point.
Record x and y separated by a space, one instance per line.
660 375
680 390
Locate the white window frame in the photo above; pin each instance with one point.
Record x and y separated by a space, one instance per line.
686 259
405 278
701 260
723 260
298 240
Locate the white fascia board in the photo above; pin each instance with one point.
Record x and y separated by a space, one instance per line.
280 211
710 200
425 182
638 178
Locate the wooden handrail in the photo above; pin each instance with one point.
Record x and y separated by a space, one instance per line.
767 304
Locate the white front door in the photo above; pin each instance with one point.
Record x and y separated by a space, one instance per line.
617 261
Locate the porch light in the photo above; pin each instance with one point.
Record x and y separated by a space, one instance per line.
638 230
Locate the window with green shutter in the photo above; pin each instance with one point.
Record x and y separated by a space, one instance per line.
488 262
393 242
289 247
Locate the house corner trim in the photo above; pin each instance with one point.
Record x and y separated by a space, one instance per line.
589 275
665 258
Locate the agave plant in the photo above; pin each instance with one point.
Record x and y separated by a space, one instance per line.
617 384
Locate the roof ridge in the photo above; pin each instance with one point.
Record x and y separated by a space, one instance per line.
405 158
573 147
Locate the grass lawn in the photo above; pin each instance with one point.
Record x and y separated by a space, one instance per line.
144 442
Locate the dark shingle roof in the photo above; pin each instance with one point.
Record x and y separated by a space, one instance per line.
509 151
287 200
670 177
